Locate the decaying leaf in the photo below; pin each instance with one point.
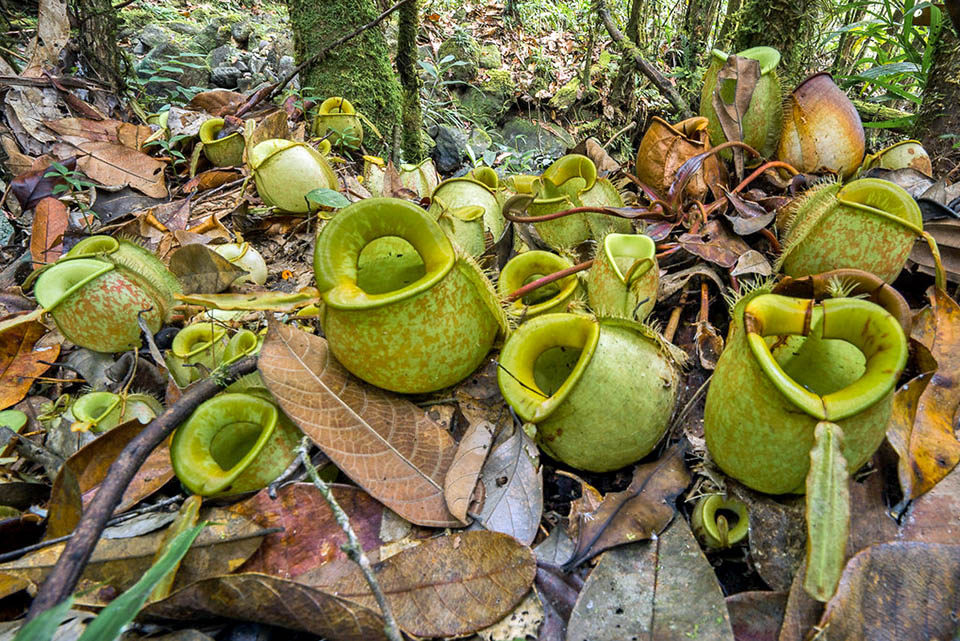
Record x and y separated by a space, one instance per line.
310 536
217 102
53 33
33 186
464 471
751 262
744 73
828 512
513 480
50 221
715 244
660 589
78 130
935 516
756 616
644 509
22 359
113 164
484 576
202 270
903 591
256 301
523 623
385 443
921 428
267 599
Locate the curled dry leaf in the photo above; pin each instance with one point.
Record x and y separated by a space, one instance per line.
660 589
645 508
450 585
460 482
921 427
384 443
53 33
310 536
513 480
906 591
751 262
77 130
22 358
202 270
273 601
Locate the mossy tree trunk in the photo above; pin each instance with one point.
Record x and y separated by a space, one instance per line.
698 26
938 114
359 70
97 20
791 26
623 94
409 23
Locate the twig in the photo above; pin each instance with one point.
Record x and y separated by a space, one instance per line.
29 450
323 52
631 125
64 576
352 548
546 280
647 69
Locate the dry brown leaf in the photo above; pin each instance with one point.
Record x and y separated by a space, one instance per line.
450 585
756 616
311 536
715 244
935 516
53 33
272 126
211 179
222 546
256 301
20 358
645 508
273 601
50 221
384 443
114 164
79 130
460 482
217 102
202 270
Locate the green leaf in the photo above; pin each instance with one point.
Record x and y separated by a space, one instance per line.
43 627
121 611
828 512
328 198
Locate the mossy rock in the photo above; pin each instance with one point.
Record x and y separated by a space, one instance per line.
490 57
488 103
566 95
526 135
463 48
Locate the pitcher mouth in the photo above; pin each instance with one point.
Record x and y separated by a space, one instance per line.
865 325
636 250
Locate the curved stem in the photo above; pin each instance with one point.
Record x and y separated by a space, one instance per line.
580 210
773 164
546 280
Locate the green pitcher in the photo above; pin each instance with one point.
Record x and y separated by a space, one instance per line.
624 277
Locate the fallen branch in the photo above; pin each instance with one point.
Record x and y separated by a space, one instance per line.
352 548
659 81
62 580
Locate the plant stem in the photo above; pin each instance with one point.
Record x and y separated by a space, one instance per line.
609 211
546 280
353 548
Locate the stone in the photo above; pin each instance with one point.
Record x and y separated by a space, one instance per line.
212 36
490 57
490 101
225 77
525 135
566 95
241 32
183 28
286 66
223 56
154 36
465 49
450 149
479 142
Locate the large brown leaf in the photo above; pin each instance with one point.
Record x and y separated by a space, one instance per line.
114 164
311 536
50 221
202 270
903 591
384 443
22 359
663 590
267 599
921 428
79 130
935 516
645 508
449 586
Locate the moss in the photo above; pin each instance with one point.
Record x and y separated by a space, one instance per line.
463 47
411 139
359 70
790 26
136 18
500 83
490 57
566 95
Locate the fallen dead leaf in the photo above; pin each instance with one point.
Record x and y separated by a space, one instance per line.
113 164
460 482
50 222
383 442
22 359
202 270
756 616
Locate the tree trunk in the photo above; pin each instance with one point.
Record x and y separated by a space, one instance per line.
409 22
623 94
97 20
729 19
698 25
790 26
938 114
359 70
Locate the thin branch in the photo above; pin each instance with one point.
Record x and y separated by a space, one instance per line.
352 548
647 69
62 580
29 450
317 57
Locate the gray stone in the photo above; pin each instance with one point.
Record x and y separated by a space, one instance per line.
286 66
184 28
242 66
253 44
257 64
525 135
450 149
246 83
154 36
490 57
222 56
465 49
213 35
225 77
479 141
241 32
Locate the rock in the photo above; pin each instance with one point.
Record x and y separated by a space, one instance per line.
479 141
257 64
225 77
241 32
183 28
450 149
525 135
223 56
246 83
242 66
212 36
154 36
489 102
490 57
286 66
464 48
566 95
